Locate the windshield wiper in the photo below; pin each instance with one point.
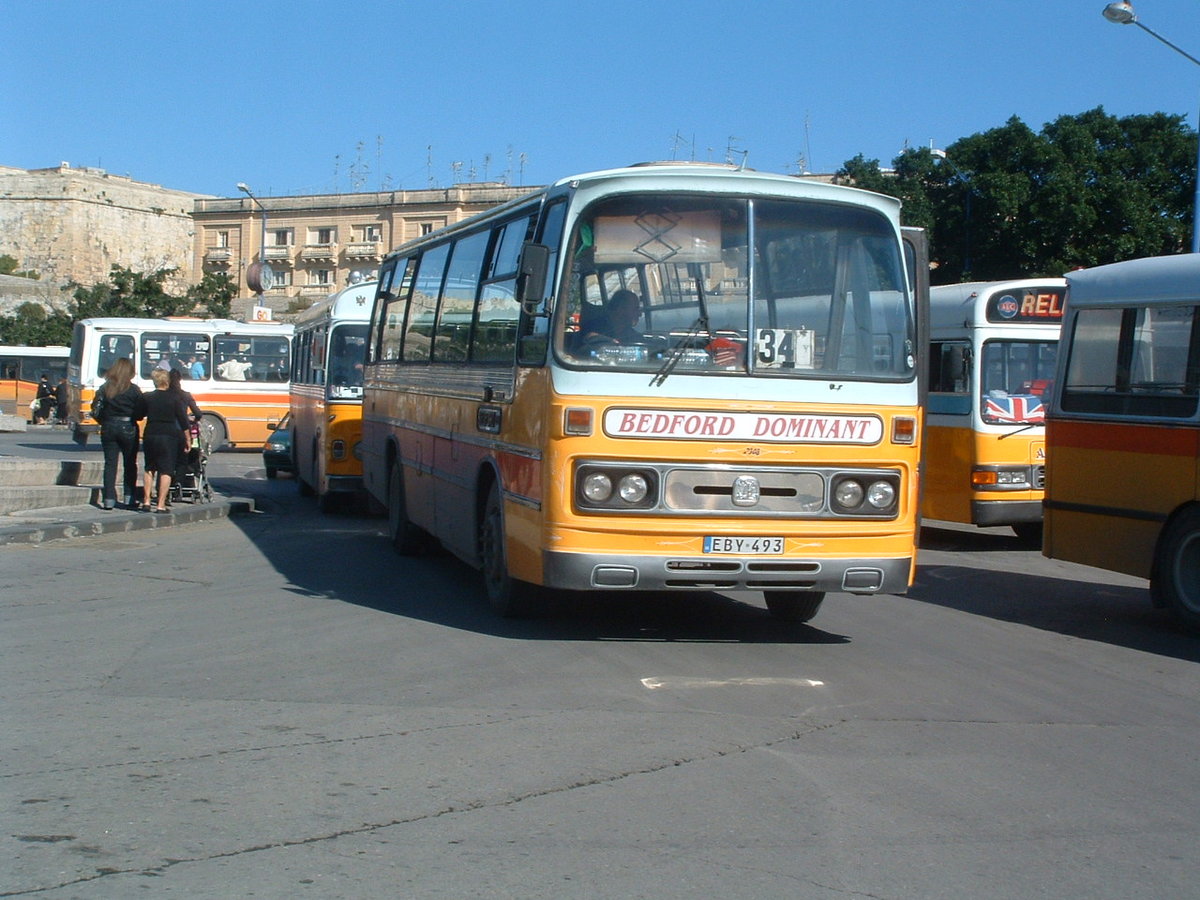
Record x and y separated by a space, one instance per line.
1009 434
675 354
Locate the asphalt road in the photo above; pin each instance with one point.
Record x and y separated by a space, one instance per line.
276 705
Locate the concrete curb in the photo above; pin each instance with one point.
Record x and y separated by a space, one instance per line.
36 526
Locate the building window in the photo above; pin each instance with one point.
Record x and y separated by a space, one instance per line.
426 228
281 237
283 278
222 239
368 234
321 235
320 277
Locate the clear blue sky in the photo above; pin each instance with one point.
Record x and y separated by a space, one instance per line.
307 97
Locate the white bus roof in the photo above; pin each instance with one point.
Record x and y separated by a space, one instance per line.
17 350
1155 279
959 305
353 303
185 323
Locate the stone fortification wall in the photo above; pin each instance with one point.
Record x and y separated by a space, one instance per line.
73 224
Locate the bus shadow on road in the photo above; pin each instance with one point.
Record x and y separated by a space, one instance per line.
442 590
1114 614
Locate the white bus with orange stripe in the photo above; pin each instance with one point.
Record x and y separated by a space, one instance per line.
991 358
327 389
758 433
237 371
1123 476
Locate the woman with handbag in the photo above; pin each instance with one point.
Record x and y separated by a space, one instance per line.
117 406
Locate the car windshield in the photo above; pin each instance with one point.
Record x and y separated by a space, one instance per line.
664 284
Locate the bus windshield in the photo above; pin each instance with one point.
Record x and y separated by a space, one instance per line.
668 283
1014 378
347 352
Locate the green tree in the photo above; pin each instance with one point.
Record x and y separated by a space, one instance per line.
8 266
129 293
31 325
214 294
1010 202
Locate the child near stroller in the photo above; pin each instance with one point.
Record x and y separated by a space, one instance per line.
190 483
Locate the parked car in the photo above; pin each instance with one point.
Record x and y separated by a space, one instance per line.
277 451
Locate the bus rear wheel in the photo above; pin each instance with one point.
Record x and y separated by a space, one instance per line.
793 606
1177 568
407 538
507 596
212 431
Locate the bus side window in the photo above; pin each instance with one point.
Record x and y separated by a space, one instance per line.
949 377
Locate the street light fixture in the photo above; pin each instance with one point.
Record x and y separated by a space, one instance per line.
1123 14
259 275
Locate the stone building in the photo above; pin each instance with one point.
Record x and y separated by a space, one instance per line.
316 244
74 224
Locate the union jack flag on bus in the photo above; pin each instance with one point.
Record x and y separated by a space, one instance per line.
1017 409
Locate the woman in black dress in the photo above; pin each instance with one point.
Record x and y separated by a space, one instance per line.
166 424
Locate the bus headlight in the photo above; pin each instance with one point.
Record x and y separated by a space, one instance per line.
597 487
633 488
865 494
848 494
881 494
602 487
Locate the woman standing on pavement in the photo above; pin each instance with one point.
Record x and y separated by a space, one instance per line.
117 407
166 424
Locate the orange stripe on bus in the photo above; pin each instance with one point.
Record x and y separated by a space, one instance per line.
1155 439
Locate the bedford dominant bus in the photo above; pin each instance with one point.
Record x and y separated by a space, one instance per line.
991 358
237 371
1123 471
327 387
759 432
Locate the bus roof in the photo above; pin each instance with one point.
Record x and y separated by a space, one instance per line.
689 177
185 323
16 350
1154 279
353 303
964 304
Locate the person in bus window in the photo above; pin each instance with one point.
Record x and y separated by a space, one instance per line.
195 368
234 369
621 313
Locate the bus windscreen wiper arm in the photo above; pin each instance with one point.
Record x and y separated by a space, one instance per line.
676 352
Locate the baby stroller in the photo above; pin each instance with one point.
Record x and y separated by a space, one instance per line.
190 483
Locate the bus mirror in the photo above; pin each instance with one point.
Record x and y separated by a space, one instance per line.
531 277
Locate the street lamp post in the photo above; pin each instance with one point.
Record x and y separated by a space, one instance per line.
259 276
1123 14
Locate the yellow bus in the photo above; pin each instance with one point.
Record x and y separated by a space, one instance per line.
759 432
1123 474
991 358
237 371
21 368
329 351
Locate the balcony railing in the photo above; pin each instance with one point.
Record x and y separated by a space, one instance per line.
319 251
218 255
364 250
277 252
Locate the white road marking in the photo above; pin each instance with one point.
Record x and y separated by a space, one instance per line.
654 684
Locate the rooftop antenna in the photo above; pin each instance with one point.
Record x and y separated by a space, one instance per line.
522 159
429 165
807 142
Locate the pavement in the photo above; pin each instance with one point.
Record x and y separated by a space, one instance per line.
53 523
50 499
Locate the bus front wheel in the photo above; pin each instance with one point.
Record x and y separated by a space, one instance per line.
407 538
506 595
793 606
1177 568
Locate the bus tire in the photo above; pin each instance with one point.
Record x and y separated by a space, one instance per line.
1029 534
212 431
506 595
272 471
407 538
1177 568
793 606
